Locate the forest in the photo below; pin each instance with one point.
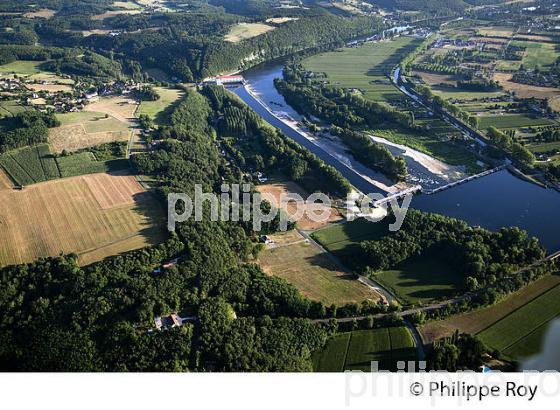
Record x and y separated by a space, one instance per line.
187 44
482 258
25 128
99 317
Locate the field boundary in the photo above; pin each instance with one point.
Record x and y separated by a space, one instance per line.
519 308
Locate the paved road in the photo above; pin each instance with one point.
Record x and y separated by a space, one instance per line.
441 304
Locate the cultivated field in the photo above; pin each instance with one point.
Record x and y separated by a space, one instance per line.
5 182
312 271
244 31
9 108
157 109
109 119
356 350
113 13
475 322
529 91
435 79
366 67
274 192
121 107
512 121
54 88
29 165
515 334
95 216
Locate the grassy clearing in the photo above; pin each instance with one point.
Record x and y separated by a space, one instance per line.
243 31
537 54
366 67
521 323
92 214
475 322
159 109
32 71
356 350
312 271
512 121
22 67
343 239
92 121
421 279
10 108
42 13
544 147
458 94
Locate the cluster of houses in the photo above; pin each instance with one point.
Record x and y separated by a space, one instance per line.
63 101
11 85
442 42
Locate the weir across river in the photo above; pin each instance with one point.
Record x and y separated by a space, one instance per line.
464 180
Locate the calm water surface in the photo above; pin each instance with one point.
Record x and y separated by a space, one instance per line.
493 202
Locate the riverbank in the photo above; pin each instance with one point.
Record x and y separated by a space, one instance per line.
433 165
336 152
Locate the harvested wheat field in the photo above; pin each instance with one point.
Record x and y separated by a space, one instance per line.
53 88
94 216
75 137
529 91
313 271
273 192
122 108
5 182
435 79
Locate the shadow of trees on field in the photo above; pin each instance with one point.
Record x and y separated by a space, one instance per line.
147 205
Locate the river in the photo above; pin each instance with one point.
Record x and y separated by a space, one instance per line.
495 201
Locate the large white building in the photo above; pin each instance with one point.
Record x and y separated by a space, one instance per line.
224 79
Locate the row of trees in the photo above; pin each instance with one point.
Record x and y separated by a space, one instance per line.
512 147
375 156
254 144
336 105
